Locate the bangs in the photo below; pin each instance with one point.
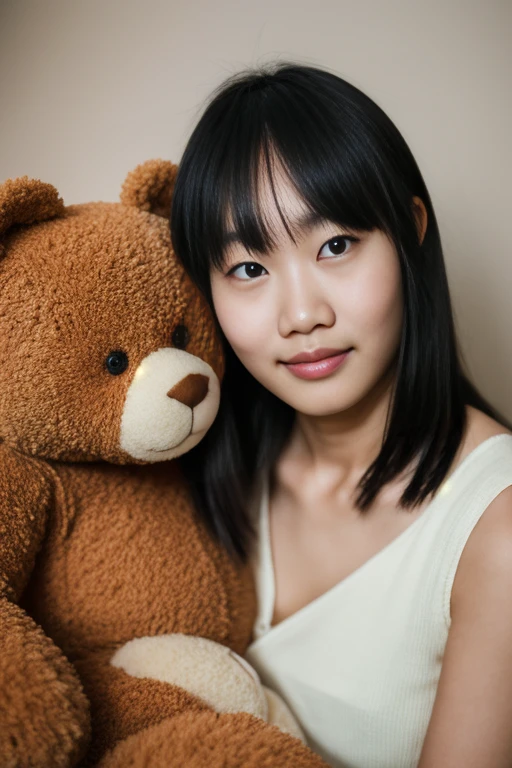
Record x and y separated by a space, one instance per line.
328 150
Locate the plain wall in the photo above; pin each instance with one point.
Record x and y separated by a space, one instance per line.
90 89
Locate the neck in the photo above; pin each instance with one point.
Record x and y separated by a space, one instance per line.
337 449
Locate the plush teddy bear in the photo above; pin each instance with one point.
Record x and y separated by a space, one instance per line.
122 620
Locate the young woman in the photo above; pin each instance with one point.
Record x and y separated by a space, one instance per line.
377 478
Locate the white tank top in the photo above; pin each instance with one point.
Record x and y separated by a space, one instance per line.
359 666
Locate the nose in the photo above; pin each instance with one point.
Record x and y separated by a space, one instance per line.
304 306
191 390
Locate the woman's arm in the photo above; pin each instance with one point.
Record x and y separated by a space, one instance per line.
471 723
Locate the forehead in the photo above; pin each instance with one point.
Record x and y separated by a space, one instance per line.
279 207
277 192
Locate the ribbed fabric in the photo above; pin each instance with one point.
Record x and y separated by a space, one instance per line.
359 666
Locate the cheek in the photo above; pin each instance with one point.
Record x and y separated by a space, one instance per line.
375 304
242 321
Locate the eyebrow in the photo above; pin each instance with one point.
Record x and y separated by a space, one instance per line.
301 225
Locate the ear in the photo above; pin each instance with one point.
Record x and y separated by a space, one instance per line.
26 201
421 216
150 187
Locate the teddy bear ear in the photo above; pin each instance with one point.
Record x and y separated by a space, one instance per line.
26 201
150 187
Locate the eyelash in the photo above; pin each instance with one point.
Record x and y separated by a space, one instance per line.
233 269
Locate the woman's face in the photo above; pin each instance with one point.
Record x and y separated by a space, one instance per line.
336 297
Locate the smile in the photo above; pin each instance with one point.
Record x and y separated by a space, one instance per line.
311 366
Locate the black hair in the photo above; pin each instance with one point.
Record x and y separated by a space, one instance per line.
350 165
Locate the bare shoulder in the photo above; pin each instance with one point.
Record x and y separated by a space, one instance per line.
479 428
486 561
470 722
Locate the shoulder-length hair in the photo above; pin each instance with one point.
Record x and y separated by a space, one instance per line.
350 165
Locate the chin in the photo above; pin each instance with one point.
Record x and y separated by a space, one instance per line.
319 405
329 399
322 411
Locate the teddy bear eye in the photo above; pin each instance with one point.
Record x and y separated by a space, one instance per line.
180 336
117 362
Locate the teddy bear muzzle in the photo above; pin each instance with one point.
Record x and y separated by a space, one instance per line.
191 390
171 402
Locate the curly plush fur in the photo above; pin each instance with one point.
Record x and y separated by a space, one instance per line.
99 391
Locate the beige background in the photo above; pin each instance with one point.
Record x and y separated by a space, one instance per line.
89 89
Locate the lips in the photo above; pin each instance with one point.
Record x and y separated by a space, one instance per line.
315 355
317 364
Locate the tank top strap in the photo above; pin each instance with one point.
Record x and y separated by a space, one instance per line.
264 570
486 472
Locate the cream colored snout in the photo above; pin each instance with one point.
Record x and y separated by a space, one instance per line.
171 403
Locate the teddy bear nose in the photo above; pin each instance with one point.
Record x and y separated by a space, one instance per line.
191 390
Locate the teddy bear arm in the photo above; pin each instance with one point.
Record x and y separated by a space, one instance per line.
26 497
44 714
122 704
209 670
199 739
43 711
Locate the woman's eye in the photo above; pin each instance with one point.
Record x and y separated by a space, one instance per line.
247 270
337 246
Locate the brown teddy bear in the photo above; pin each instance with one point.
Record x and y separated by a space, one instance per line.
121 618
